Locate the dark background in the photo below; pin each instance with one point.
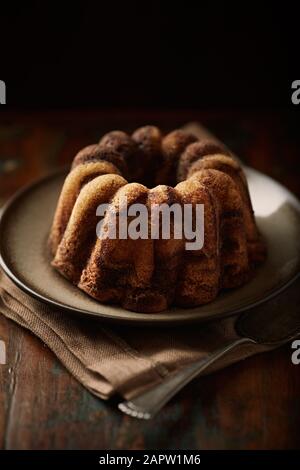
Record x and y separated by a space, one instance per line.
120 67
149 54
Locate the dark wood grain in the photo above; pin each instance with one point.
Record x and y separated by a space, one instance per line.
251 405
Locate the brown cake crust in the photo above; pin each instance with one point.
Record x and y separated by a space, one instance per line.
123 144
117 265
76 179
233 241
74 250
148 140
95 153
173 145
199 277
118 141
195 152
229 166
150 275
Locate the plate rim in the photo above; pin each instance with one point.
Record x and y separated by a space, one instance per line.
134 318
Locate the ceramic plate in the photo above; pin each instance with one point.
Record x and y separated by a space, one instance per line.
27 218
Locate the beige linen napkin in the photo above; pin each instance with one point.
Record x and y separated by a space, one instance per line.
109 359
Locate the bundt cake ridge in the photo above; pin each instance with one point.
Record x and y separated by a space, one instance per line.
147 274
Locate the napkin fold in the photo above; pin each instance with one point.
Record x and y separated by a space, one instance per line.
111 359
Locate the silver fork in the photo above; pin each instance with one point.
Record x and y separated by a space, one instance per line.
269 324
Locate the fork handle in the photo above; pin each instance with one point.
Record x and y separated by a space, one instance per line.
146 405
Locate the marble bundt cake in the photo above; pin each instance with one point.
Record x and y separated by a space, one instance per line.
150 275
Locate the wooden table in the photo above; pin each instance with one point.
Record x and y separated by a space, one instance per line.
251 405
